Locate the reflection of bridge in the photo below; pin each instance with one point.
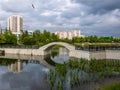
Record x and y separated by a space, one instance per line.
44 50
17 66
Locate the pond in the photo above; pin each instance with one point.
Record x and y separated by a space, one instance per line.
19 72
56 71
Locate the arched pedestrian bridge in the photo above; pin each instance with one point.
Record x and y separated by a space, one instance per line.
43 50
46 48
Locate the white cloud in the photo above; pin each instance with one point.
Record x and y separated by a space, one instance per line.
63 14
50 13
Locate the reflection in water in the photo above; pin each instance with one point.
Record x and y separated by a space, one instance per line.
60 55
16 67
49 60
29 71
5 62
26 74
63 51
54 53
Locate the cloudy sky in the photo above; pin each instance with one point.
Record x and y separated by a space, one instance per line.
92 17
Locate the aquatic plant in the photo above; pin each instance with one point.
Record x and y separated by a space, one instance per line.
95 70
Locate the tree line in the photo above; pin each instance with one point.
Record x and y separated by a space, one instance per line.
42 38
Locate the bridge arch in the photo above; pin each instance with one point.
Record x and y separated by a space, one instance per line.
66 45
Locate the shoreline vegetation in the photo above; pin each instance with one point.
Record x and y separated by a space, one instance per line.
81 74
41 38
115 86
78 72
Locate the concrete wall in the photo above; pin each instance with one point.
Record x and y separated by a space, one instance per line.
22 51
18 51
79 54
108 54
98 55
112 54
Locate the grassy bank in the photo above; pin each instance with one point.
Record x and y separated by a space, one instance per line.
115 86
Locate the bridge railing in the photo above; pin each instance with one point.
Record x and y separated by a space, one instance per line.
20 46
97 48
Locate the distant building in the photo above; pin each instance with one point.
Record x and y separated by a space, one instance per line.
69 34
30 32
15 24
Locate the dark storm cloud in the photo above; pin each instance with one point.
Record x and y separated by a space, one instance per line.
100 6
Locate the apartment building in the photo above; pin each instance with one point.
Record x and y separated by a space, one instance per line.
69 34
15 24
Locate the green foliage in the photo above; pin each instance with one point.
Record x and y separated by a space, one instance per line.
28 41
2 38
8 38
115 86
45 37
61 69
6 62
92 39
38 38
76 69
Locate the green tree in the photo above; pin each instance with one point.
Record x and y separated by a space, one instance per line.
2 38
10 38
28 40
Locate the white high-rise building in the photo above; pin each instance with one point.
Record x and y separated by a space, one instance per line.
15 24
69 35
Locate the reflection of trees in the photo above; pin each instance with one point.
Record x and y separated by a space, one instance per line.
59 51
6 62
54 53
16 67
49 60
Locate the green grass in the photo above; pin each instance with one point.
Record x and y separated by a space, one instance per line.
115 86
